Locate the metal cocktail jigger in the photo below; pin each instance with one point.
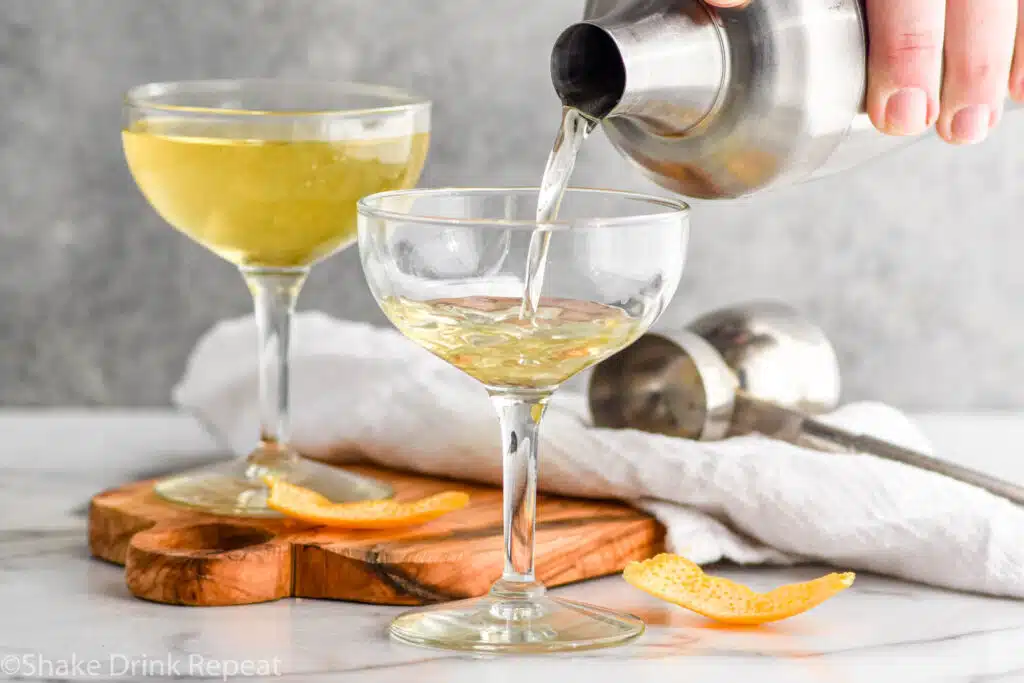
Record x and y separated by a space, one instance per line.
752 368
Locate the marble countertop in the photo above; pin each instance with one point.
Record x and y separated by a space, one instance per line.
67 616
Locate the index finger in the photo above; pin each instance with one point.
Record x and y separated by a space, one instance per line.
724 4
905 64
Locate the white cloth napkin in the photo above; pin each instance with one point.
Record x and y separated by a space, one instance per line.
369 393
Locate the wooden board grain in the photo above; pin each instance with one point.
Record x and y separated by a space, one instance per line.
180 556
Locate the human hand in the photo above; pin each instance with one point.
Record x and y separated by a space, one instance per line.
948 63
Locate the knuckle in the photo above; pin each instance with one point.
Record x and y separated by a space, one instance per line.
915 42
971 71
908 53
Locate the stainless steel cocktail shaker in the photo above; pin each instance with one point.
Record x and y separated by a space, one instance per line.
755 368
717 103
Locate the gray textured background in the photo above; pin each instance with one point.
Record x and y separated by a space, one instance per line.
912 264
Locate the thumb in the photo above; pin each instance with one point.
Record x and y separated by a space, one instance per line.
727 3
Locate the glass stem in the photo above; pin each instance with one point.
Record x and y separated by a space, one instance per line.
274 293
519 418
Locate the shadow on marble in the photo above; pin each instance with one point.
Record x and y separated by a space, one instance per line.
102 583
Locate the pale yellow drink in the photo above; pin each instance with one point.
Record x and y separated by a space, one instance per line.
486 338
258 201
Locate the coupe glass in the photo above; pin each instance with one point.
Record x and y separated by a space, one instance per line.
266 174
447 267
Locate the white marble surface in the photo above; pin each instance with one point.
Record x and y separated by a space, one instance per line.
66 616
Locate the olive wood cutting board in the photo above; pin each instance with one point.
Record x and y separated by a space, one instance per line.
180 556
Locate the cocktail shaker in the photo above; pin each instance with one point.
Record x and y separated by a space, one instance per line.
720 103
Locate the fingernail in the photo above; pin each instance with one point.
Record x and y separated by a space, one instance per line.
970 124
1017 90
906 112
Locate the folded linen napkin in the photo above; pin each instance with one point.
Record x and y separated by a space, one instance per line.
365 393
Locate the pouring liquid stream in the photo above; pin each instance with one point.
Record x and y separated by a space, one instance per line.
575 128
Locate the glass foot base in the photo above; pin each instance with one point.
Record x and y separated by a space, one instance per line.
515 622
234 487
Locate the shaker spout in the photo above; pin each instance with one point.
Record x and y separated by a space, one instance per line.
588 70
667 69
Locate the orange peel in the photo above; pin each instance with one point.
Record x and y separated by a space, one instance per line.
301 503
675 579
